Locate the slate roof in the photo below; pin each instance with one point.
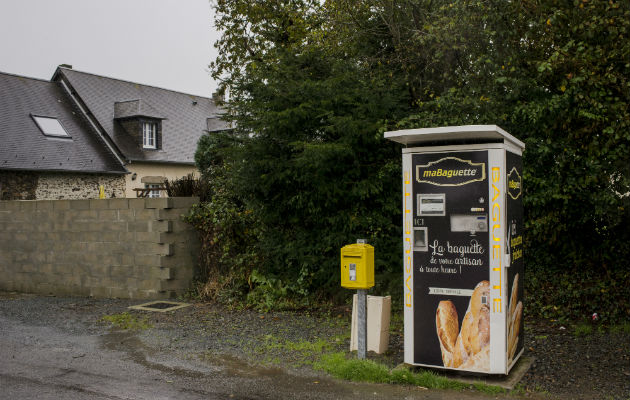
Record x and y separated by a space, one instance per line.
23 146
184 116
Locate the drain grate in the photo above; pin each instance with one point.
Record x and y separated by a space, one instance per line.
160 306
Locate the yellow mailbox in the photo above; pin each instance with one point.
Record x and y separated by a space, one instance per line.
357 266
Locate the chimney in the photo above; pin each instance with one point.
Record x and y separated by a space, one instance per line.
68 66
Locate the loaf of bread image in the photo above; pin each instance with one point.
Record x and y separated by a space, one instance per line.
515 331
515 317
474 337
514 295
471 347
447 325
479 361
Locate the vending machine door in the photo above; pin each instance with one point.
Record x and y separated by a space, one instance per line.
451 283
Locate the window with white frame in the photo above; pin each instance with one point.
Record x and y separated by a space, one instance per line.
153 193
149 135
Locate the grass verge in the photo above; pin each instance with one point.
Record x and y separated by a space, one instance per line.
295 354
623 329
127 321
586 329
337 365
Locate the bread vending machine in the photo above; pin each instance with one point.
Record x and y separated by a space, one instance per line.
463 247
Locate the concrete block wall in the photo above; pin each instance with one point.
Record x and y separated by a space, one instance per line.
124 248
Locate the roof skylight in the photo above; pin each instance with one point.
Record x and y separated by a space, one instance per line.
50 126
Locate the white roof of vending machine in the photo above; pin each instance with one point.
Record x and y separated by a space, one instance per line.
464 133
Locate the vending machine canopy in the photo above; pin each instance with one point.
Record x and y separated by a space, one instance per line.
466 134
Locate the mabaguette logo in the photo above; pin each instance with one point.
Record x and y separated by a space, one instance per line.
514 184
450 171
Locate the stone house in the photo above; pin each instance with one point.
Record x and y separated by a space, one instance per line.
148 134
47 148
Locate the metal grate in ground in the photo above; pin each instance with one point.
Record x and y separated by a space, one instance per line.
160 306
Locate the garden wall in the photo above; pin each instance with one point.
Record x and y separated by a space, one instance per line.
125 248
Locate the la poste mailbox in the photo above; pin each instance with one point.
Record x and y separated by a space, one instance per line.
357 266
463 241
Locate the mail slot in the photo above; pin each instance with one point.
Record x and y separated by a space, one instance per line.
357 266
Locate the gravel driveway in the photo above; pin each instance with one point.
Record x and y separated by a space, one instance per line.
247 343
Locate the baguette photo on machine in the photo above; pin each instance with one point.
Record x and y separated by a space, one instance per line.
515 316
468 348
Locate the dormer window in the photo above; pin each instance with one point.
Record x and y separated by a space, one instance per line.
141 121
149 135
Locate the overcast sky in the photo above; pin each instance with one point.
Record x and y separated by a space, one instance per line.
165 43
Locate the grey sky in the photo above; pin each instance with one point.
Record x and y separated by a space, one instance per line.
165 43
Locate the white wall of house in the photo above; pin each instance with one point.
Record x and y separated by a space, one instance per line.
142 174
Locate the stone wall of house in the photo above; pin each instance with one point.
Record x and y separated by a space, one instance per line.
57 186
125 248
30 185
18 185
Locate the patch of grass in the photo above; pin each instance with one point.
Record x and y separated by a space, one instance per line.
518 390
489 389
396 324
623 329
307 348
583 330
540 337
541 390
337 365
355 370
127 321
301 352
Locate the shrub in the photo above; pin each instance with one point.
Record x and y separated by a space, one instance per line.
189 186
576 295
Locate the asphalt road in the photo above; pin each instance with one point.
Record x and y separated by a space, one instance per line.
40 361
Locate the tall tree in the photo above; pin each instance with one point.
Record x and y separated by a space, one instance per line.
313 85
309 160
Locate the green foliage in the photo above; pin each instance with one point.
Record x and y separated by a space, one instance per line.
570 295
554 74
303 351
583 329
267 293
127 321
623 329
307 155
189 186
353 369
578 208
339 366
229 239
313 86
